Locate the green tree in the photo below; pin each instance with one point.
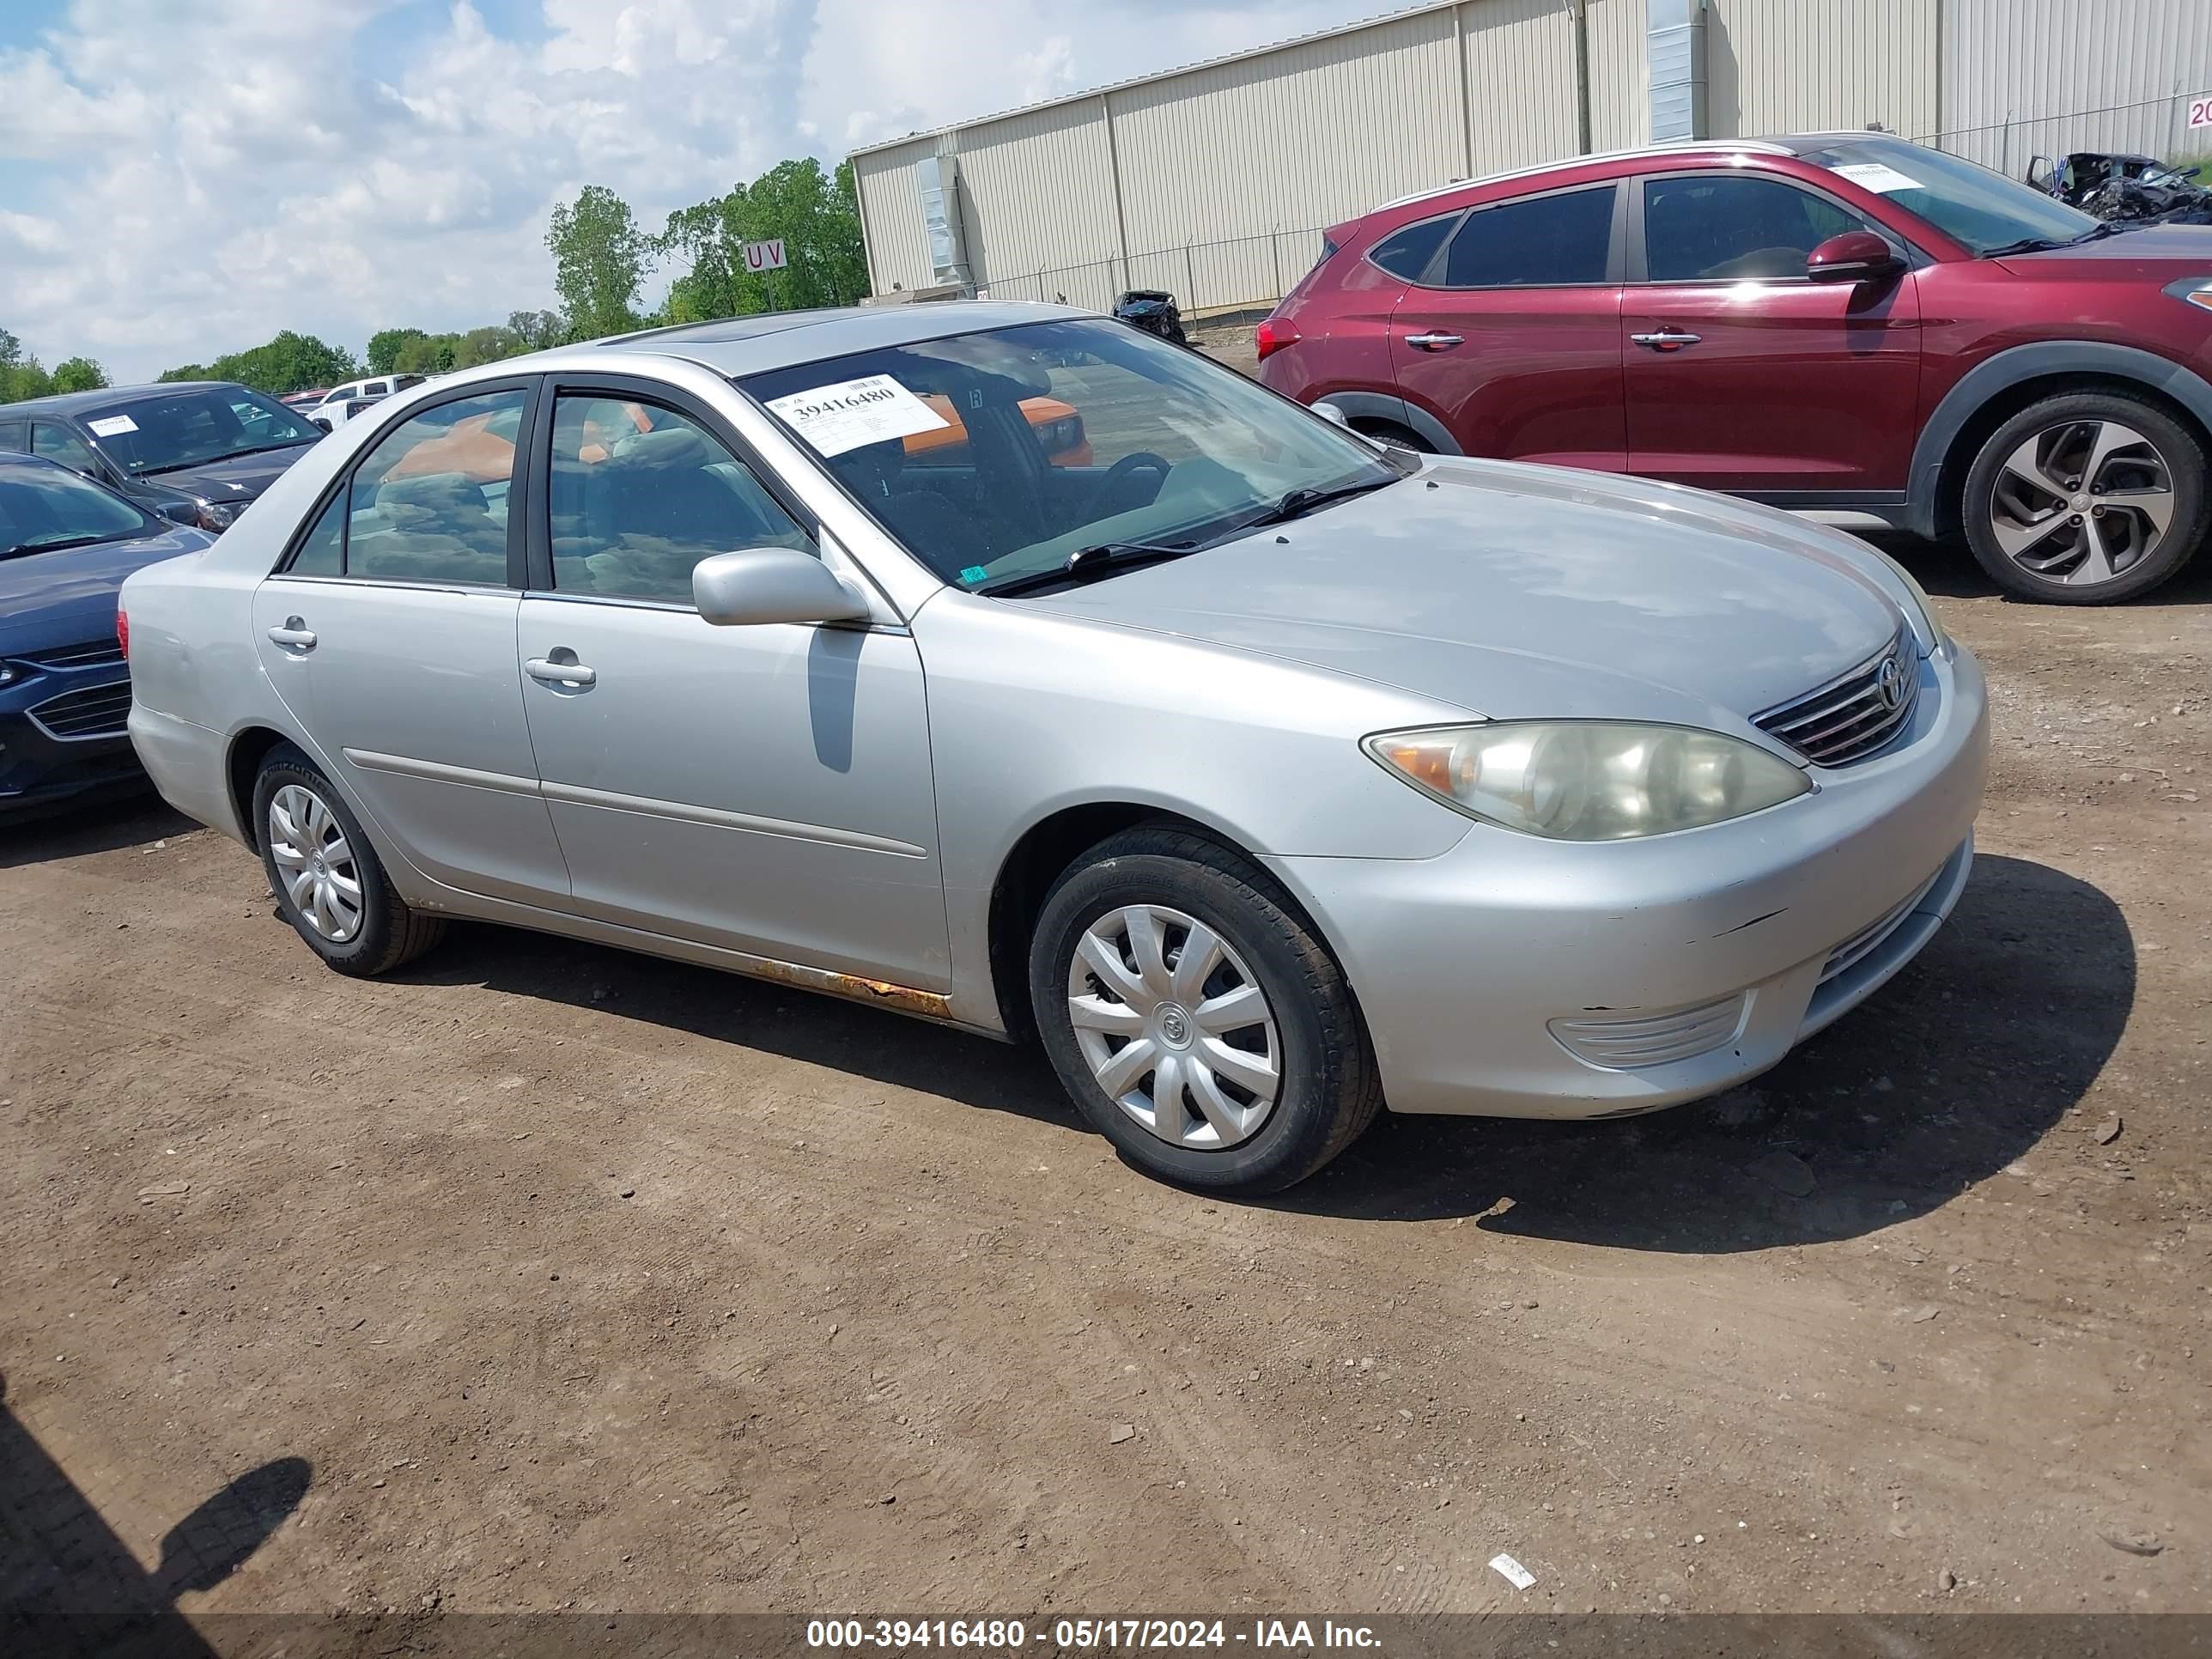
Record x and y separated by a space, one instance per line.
817 215
537 330
287 363
186 372
21 376
383 347
79 375
599 262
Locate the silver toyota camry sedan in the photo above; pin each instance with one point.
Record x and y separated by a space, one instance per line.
1004 665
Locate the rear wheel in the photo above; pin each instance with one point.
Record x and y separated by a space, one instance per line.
328 883
1195 1020
2087 498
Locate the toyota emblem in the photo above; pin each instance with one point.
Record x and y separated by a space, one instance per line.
1889 684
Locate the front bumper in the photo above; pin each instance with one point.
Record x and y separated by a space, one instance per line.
62 736
1518 977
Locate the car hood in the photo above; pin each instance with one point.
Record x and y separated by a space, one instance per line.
1520 592
241 478
2188 248
68 597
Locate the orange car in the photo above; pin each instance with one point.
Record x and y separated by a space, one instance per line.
1057 425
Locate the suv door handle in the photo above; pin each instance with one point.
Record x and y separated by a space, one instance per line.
1666 339
1432 342
547 672
294 636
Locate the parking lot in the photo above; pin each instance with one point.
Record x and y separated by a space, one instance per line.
580 1279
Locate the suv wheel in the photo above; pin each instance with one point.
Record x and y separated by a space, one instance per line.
2087 498
328 883
1196 1021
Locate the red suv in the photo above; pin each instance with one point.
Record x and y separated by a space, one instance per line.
1842 321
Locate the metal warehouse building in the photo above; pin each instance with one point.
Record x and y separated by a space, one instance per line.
1214 181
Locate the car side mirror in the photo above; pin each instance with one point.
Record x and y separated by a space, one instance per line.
1329 412
1856 256
755 585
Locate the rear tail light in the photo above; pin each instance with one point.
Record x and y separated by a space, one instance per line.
1273 335
123 633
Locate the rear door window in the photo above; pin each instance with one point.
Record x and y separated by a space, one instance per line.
430 503
1557 241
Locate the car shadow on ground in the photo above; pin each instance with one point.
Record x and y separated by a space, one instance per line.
77 831
1950 1072
1947 570
70 1586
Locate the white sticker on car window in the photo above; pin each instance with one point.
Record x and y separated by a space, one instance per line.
1875 176
852 414
113 426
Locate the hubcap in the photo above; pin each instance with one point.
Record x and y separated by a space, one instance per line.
1174 1027
315 862
2083 503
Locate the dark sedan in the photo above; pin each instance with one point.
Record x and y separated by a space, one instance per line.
197 452
66 546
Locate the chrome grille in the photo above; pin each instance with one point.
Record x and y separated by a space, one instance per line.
93 654
1851 717
96 711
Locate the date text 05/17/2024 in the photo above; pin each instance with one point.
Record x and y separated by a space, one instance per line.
982 1637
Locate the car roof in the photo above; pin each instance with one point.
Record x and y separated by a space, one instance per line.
108 397
738 346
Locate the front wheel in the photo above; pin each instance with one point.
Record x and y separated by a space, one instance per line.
1195 1020
2087 498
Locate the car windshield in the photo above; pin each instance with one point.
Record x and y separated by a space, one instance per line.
192 428
1003 454
45 508
1978 209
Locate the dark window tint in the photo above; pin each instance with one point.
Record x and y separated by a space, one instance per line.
1717 229
58 443
641 495
12 435
430 503
1545 242
1407 253
322 553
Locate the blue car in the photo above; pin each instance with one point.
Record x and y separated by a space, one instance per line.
66 543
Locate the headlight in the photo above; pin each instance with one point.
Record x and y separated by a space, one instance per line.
1590 780
7 674
218 516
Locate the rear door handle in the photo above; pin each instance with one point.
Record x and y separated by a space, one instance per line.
1666 339
547 672
1432 342
294 636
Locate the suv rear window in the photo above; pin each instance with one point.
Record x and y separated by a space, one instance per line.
1406 253
1547 241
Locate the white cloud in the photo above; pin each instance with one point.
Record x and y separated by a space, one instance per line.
182 177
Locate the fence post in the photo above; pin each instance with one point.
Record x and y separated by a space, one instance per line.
1189 279
1275 252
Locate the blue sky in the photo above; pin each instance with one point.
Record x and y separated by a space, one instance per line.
183 178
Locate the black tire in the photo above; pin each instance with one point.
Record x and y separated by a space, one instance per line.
1329 1089
2140 556
389 933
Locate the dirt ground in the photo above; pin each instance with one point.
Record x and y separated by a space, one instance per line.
575 1280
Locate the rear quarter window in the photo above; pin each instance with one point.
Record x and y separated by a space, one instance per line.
1406 253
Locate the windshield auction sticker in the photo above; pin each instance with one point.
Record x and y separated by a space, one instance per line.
113 426
1874 176
852 414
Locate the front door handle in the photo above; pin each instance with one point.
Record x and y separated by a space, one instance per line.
1666 339
561 668
294 636
1432 342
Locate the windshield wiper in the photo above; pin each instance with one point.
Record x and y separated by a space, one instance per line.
217 460
51 544
1090 564
2045 244
1297 503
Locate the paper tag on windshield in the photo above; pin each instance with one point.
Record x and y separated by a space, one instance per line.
855 413
113 426
1874 176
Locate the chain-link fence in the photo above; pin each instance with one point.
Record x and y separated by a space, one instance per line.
2152 126
1208 279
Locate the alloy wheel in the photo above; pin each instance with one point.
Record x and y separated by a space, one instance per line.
1174 1027
2082 502
315 862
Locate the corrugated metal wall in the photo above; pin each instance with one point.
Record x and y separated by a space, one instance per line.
2024 76
1777 66
1227 167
